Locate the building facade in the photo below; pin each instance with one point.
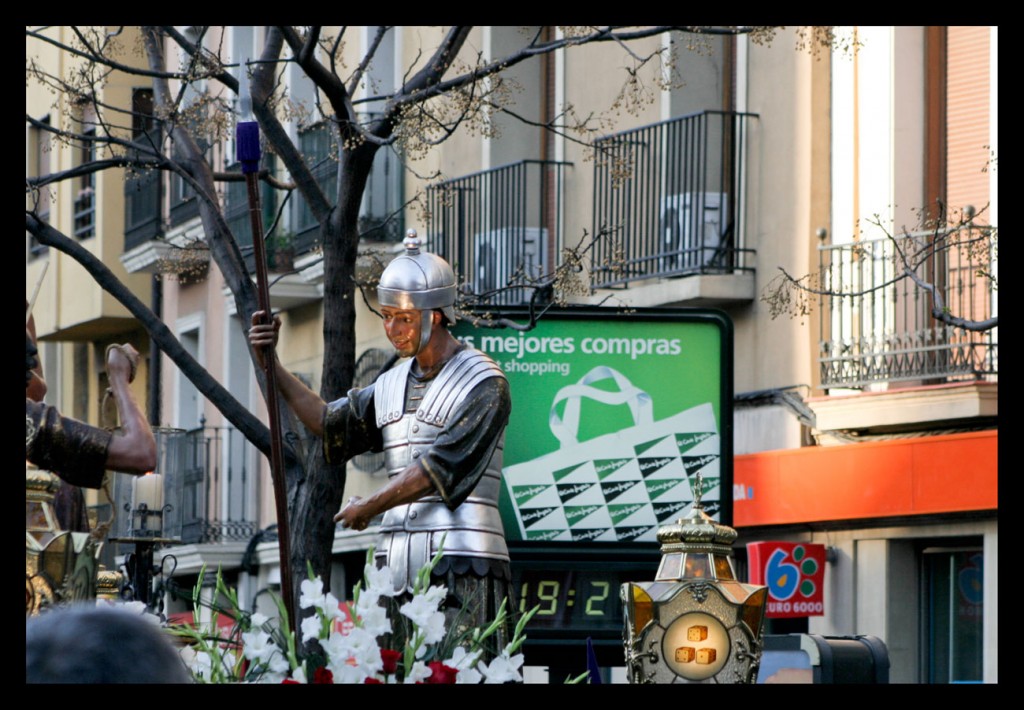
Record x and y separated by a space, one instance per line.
860 422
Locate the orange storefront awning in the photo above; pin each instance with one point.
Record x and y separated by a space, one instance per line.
919 476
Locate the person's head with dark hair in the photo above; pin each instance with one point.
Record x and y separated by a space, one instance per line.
99 644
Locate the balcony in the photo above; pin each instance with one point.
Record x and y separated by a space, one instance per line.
148 248
883 331
142 214
315 145
238 217
380 214
499 228
211 492
184 203
219 474
668 198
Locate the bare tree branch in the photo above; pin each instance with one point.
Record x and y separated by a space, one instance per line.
357 75
95 166
327 81
262 91
942 315
251 427
103 60
226 78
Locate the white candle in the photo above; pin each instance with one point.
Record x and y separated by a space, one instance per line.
149 490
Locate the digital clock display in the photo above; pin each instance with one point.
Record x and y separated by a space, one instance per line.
580 599
577 590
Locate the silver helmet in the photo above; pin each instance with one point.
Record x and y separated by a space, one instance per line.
418 281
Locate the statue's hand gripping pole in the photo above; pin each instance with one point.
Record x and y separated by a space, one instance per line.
248 154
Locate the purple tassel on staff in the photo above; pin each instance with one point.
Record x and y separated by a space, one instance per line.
248 146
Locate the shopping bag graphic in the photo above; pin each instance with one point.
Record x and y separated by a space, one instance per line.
620 486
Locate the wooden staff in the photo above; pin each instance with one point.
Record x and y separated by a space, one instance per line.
248 154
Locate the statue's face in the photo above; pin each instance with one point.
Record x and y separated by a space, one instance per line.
404 329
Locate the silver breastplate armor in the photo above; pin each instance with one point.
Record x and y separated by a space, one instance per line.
410 415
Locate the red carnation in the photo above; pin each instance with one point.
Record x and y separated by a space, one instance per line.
390 659
440 673
323 675
369 680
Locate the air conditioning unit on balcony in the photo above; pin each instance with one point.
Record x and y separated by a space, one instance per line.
692 226
497 254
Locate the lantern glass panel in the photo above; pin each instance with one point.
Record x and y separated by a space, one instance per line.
671 566
697 565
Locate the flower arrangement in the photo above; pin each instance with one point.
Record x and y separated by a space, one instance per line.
263 650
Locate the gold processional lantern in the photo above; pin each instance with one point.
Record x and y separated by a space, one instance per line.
695 623
60 566
63 567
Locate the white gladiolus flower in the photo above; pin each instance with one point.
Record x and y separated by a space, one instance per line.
312 593
435 595
378 581
310 628
419 672
279 664
463 661
374 619
502 669
433 630
258 646
332 607
351 651
363 649
419 609
345 673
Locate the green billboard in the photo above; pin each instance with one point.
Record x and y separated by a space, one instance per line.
616 416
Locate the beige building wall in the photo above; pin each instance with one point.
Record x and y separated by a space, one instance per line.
69 297
785 158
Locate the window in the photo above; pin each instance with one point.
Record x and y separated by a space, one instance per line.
316 143
953 612
39 166
85 197
190 402
142 187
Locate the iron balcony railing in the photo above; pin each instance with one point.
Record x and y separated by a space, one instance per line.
499 228
315 144
668 198
878 327
239 218
381 216
143 193
218 501
184 203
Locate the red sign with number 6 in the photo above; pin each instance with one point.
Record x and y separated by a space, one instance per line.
794 573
